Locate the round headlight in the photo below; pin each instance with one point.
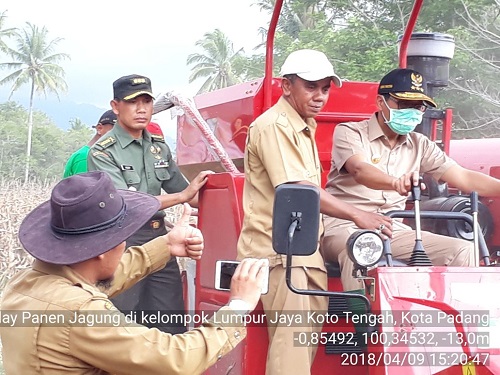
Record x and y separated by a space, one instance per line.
365 248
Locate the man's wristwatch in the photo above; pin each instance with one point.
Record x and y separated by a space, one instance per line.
239 306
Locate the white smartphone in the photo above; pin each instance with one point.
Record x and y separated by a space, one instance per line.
224 271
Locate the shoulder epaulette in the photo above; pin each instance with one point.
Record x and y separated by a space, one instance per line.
96 293
157 138
105 143
282 119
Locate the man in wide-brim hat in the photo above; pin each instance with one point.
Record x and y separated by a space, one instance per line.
61 317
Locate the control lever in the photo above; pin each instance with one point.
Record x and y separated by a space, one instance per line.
418 255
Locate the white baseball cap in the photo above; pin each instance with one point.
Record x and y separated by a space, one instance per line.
310 65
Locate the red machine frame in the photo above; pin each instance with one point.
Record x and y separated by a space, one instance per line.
229 112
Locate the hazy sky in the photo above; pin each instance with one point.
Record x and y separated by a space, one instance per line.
107 39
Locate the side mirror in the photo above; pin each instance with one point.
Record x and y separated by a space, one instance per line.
296 218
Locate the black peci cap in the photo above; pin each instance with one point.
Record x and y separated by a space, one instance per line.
107 117
405 84
132 86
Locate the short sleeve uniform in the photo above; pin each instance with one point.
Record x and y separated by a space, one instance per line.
366 138
144 164
280 149
104 342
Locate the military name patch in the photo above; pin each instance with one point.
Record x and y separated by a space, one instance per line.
157 138
161 164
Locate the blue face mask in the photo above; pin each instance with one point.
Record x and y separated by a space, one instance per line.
403 121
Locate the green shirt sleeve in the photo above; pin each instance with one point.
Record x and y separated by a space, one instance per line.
77 163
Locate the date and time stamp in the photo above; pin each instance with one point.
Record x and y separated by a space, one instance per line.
404 347
427 359
423 338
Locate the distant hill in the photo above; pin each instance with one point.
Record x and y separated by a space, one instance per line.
62 112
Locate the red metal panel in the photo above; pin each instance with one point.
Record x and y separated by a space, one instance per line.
476 154
425 291
219 218
230 111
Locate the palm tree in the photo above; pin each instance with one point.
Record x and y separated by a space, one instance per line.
35 62
216 63
295 15
77 124
3 31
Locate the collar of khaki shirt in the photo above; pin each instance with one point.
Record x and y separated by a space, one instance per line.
67 273
297 122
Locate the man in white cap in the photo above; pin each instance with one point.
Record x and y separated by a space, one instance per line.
281 149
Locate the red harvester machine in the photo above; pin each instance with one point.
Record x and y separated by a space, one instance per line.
467 341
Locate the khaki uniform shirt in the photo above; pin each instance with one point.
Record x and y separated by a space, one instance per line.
145 164
48 291
280 149
366 138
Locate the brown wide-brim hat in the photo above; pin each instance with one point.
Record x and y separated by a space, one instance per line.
86 216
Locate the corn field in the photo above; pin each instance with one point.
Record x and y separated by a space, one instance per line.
16 200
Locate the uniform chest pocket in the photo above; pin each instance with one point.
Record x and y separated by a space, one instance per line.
312 171
131 177
162 174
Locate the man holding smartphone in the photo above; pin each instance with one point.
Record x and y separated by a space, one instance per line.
225 269
78 241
